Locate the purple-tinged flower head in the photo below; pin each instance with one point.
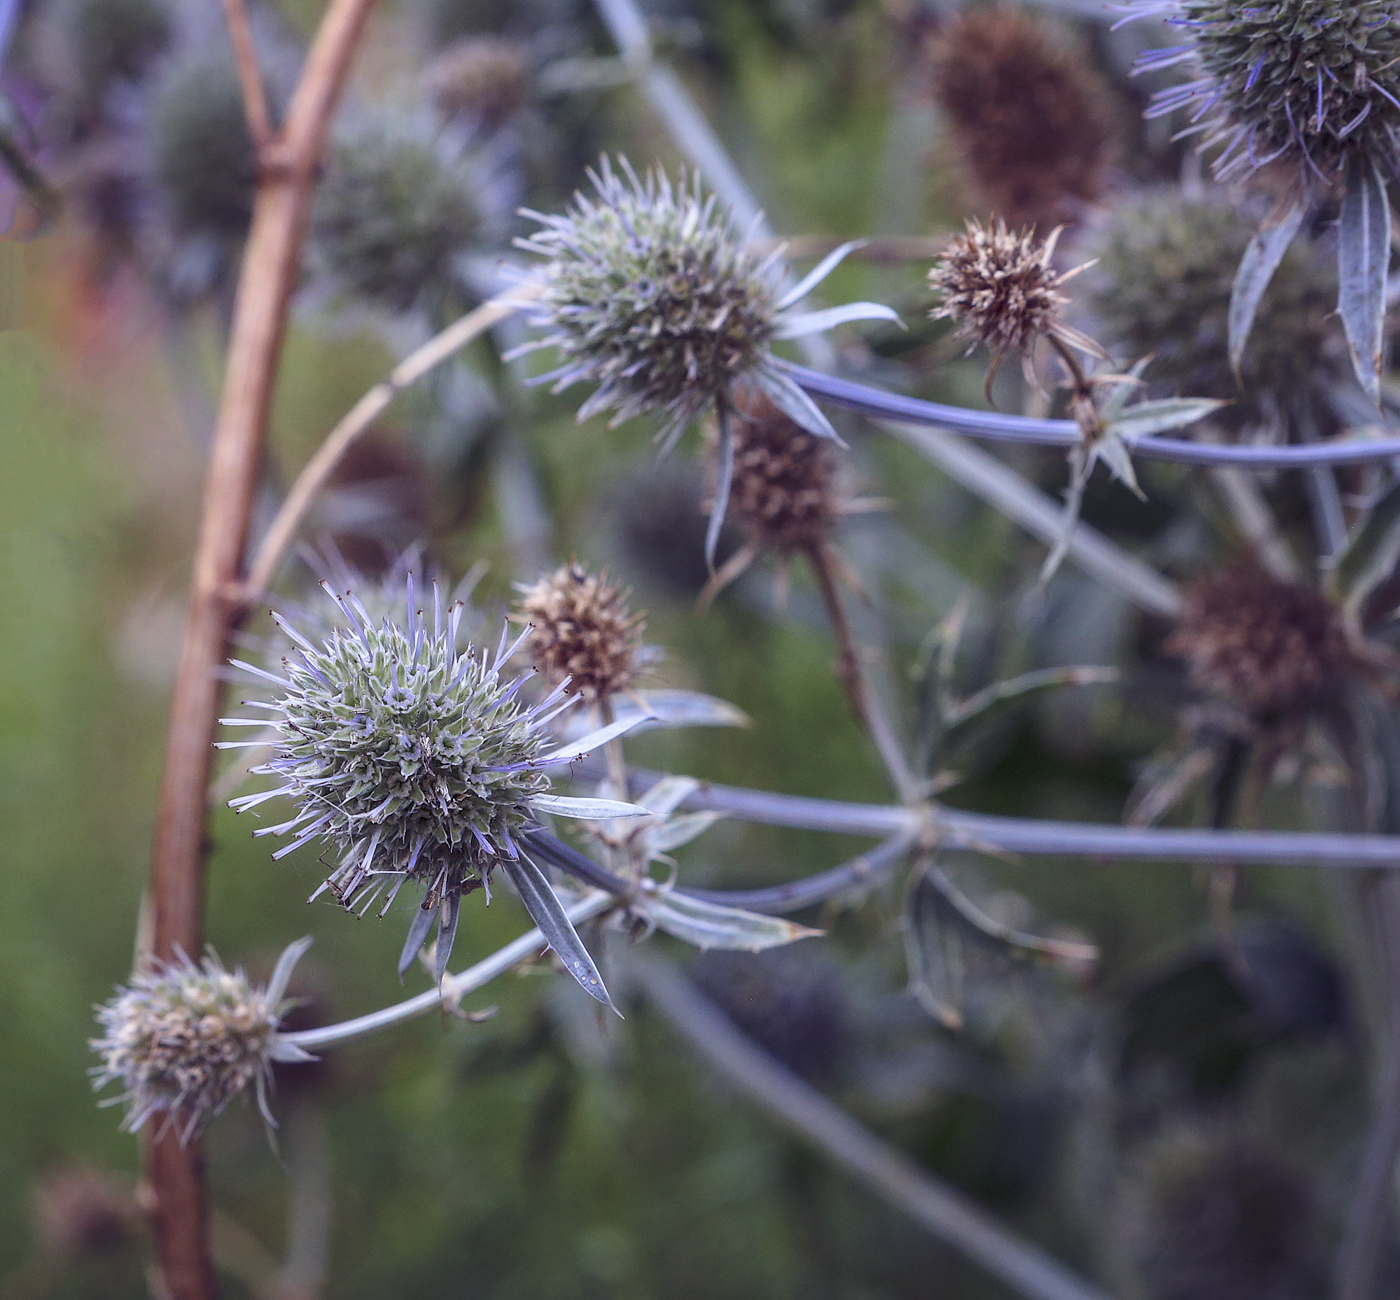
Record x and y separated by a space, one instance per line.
1311 83
415 759
652 295
184 1039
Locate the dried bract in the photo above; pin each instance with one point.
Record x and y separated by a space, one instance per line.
1273 649
582 630
1028 115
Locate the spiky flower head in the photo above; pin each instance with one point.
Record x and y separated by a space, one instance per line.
1027 114
999 288
785 494
205 164
1273 649
1165 268
582 632
653 295
184 1039
1311 83
411 756
485 79
401 198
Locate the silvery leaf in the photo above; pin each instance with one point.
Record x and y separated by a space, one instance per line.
1147 418
1363 260
1261 259
585 809
712 925
798 324
817 274
549 915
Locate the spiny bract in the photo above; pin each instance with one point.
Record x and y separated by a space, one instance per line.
1313 82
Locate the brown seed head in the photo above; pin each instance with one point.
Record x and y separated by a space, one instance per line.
485 78
1270 648
1028 117
998 287
581 628
784 493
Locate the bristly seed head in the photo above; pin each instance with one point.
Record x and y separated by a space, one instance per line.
1026 111
1273 649
785 494
484 79
184 1040
582 630
999 287
1312 83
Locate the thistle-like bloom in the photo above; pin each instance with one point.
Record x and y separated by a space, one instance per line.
1026 113
651 294
582 632
1314 83
184 1040
999 288
1272 649
401 198
416 761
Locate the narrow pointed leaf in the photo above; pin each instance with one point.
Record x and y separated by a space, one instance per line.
286 963
665 709
423 918
796 325
1365 543
713 925
447 935
586 809
1147 418
1363 259
817 274
796 405
724 456
680 830
999 696
1261 259
548 913
1113 451
594 739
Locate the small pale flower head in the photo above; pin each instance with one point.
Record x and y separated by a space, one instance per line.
582 632
184 1039
998 287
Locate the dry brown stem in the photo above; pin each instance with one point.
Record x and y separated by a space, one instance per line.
179 1205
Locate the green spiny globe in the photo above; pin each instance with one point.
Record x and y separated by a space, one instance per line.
1166 264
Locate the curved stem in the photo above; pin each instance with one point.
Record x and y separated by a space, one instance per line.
995 426
454 987
280 214
889 1173
318 470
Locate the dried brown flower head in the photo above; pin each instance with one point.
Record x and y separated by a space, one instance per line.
1027 115
999 288
484 78
785 493
582 629
1269 647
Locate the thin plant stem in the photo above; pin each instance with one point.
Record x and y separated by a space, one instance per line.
281 211
250 78
818 1121
849 672
454 987
317 472
1370 1220
997 426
